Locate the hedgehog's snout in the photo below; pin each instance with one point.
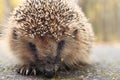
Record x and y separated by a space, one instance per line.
49 71
48 67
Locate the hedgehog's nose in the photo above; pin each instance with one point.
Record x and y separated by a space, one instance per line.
49 73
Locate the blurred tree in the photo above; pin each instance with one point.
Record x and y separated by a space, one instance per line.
104 16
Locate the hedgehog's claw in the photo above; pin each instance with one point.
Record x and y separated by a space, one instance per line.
28 70
34 71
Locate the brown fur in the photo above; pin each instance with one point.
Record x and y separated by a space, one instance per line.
76 49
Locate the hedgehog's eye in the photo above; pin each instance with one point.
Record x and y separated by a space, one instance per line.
60 44
59 49
32 46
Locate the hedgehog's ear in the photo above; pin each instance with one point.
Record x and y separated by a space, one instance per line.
75 32
14 33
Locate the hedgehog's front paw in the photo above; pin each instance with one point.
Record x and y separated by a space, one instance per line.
28 70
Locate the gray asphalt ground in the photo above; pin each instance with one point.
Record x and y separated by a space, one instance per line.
106 66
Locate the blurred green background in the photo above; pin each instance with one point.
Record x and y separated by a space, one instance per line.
103 14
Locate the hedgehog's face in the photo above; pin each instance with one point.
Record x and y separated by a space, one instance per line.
47 55
44 52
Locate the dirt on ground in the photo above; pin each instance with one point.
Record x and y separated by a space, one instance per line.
106 66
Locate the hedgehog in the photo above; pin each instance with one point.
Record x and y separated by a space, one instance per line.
49 35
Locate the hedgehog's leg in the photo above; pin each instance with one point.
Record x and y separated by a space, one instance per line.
29 69
26 52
